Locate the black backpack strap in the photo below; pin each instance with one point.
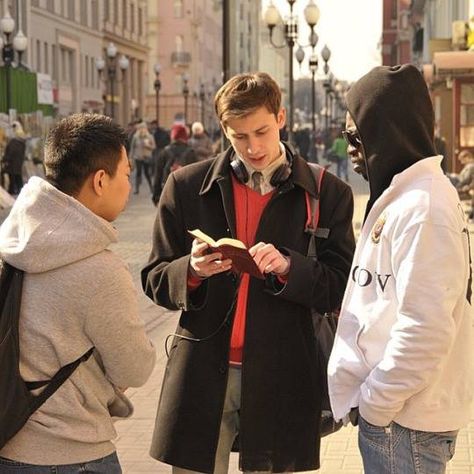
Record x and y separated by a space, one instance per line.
312 211
59 378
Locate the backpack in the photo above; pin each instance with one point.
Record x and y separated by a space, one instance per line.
324 325
17 403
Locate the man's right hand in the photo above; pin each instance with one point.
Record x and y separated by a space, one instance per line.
204 264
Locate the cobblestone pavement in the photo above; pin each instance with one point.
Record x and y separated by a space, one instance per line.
339 452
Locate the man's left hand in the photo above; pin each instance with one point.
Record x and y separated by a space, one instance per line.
269 259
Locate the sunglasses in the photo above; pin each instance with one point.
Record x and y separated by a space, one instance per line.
352 138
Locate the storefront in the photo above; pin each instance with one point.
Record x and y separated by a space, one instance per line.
452 86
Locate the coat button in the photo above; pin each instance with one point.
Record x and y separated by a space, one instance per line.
223 367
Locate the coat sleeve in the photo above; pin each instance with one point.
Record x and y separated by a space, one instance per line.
164 279
320 282
116 330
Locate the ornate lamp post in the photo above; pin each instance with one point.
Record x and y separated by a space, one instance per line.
185 95
326 55
157 86
19 44
123 64
313 67
272 18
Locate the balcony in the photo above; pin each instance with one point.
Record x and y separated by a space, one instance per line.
180 58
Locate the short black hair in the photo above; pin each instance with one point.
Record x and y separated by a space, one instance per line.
80 145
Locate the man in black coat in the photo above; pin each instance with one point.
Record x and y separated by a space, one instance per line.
243 359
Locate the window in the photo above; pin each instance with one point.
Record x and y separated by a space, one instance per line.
467 115
140 22
50 5
92 72
178 8
106 10
54 62
84 12
132 18
116 12
35 3
70 10
95 14
38 56
124 14
86 71
46 58
179 43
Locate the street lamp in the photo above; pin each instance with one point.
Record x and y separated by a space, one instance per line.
157 85
185 95
313 66
272 18
326 55
202 98
111 64
19 44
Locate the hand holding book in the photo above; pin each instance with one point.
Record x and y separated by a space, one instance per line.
231 249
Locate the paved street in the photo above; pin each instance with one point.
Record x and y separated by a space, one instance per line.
339 451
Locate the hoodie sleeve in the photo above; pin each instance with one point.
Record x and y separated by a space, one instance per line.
116 330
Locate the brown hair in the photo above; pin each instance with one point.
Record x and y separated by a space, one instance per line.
244 93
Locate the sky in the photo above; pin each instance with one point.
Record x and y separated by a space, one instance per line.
352 30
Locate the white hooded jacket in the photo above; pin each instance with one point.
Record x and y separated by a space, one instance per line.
403 350
76 295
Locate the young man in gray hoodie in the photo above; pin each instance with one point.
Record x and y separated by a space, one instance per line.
77 294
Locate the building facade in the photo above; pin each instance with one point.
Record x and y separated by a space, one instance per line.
449 71
185 39
65 40
125 25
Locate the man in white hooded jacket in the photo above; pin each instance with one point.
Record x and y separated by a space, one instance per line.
77 294
402 361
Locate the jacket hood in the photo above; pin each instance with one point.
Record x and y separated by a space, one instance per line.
393 113
47 229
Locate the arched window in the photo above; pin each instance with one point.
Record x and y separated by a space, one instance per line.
178 8
179 44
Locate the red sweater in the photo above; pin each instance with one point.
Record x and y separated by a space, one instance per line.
249 206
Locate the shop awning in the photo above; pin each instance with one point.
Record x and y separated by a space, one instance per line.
453 63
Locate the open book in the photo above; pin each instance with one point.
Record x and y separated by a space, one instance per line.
233 249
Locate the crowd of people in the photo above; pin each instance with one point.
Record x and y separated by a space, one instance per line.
243 370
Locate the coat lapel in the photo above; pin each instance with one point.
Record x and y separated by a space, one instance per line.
219 174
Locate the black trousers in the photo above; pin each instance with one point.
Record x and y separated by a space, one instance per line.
146 167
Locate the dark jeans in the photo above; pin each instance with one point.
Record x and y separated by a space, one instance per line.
15 183
342 164
108 465
146 167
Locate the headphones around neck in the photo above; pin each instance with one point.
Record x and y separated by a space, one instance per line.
279 176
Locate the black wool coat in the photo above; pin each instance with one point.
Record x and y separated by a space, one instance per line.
14 156
281 387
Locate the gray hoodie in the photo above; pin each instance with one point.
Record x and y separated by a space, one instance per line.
76 295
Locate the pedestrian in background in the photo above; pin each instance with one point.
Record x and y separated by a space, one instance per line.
200 141
162 139
77 294
402 358
243 359
14 158
141 152
339 151
174 156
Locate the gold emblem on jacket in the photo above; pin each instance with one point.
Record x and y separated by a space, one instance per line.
378 227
